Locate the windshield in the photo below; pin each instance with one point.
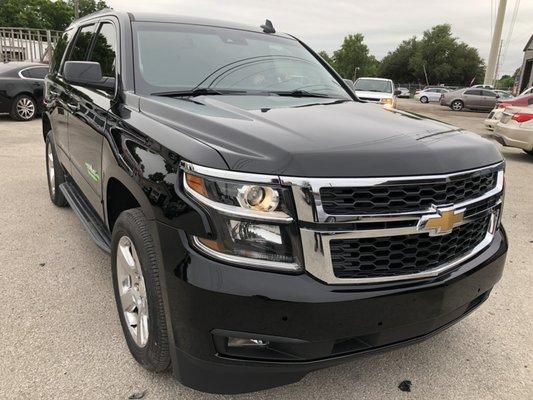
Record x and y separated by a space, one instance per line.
373 85
180 57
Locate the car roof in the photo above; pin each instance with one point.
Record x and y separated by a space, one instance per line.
137 16
375 79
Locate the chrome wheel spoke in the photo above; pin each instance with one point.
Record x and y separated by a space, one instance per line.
132 291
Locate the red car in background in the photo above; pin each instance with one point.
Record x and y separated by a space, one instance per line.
520 101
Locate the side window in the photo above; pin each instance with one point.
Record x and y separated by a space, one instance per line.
25 73
489 93
105 49
61 47
473 92
37 72
81 46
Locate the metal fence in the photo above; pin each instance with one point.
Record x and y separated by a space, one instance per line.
26 44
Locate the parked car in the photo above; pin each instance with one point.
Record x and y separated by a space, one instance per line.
515 128
501 105
527 91
429 94
490 87
21 89
404 92
376 90
503 94
476 99
262 221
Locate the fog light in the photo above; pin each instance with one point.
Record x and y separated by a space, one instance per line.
240 342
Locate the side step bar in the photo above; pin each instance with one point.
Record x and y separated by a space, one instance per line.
88 217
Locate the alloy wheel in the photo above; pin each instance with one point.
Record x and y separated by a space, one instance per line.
457 106
25 108
132 291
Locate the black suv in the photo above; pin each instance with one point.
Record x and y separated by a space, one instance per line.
262 221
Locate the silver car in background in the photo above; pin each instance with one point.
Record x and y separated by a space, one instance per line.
472 98
429 94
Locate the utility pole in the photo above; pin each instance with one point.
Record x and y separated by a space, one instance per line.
76 9
426 74
497 65
495 44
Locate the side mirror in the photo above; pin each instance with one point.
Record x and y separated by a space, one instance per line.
87 73
497 96
397 92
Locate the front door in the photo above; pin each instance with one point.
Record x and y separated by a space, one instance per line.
87 117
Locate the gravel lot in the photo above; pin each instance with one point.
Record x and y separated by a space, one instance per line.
62 339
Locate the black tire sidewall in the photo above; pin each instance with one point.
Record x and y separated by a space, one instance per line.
154 355
14 113
424 99
457 102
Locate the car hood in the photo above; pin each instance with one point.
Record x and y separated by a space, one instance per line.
373 95
320 137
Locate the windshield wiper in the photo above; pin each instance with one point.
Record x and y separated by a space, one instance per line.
301 93
196 92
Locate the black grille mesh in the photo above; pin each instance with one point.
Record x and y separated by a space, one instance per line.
403 254
405 197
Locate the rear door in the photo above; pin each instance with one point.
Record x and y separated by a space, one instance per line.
489 99
88 113
472 98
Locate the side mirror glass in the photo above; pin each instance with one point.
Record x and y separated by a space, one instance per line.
87 73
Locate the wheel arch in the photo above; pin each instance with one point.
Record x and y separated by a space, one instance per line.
47 124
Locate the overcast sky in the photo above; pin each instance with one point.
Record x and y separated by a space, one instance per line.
385 23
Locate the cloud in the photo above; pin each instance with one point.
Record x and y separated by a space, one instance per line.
385 23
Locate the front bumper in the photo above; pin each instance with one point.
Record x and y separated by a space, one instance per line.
320 324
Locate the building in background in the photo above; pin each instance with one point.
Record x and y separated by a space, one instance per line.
24 44
526 72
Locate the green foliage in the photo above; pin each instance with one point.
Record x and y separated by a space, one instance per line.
445 58
327 58
505 82
354 54
44 14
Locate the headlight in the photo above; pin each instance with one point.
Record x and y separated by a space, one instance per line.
386 102
252 220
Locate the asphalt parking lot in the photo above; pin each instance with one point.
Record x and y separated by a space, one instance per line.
61 337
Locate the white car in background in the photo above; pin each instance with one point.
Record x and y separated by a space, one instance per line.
515 128
376 90
429 94
527 91
404 92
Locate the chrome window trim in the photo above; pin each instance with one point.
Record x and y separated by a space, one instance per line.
306 193
28 78
247 262
317 254
237 212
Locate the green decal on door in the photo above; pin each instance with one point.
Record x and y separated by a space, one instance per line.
92 172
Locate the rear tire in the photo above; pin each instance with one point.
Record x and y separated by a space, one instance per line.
54 173
424 99
530 152
138 291
23 108
457 105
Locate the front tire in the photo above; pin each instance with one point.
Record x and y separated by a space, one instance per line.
23 108
457 105
54 173
138 291
424 99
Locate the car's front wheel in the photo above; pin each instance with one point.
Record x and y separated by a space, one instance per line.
457 105
138 291
23 108
54 173
424 99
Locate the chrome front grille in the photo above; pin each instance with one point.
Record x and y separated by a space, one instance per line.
388 237
411 196
403 254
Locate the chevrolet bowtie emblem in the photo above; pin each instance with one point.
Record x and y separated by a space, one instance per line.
441 223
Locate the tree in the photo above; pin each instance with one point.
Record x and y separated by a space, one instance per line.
354 54
445 59
327 58
395 64
44 14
